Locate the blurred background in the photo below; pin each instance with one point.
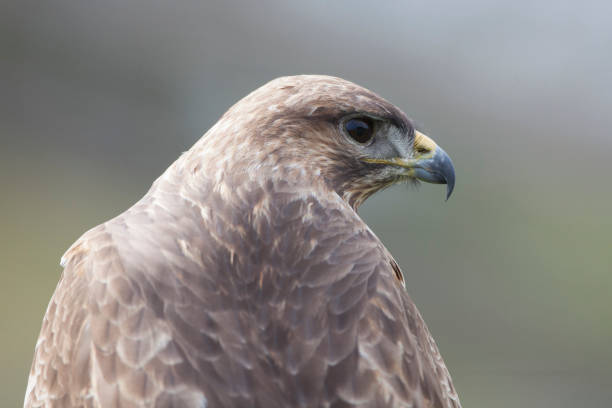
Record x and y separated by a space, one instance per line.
512 274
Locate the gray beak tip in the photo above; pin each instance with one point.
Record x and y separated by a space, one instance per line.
438 169
443 166
450 182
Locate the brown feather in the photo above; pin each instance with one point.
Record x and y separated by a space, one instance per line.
244 277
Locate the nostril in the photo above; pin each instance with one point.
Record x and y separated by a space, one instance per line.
422 150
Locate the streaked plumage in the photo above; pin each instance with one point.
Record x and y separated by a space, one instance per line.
245 277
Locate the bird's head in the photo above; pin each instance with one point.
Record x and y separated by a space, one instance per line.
342 133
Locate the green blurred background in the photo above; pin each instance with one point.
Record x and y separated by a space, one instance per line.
512 274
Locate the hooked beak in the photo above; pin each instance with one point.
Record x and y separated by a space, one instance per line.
429 163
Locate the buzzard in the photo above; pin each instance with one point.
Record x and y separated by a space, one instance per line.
245 277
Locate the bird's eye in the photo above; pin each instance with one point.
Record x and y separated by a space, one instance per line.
360 129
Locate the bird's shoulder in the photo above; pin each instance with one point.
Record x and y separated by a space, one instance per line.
103 340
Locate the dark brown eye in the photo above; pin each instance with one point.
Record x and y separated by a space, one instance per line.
360 129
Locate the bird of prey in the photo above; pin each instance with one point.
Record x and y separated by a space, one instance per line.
245 277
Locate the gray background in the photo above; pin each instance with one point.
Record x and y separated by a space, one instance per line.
513 274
